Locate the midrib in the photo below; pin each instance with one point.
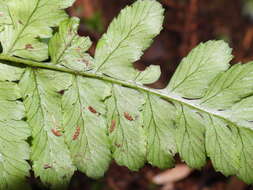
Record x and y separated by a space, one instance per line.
169 96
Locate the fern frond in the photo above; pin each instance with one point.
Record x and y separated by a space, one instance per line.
81 112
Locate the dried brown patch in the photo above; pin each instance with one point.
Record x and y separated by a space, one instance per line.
113 125
77 133
29 46
118 145
47 166
128 116
92 110
56 132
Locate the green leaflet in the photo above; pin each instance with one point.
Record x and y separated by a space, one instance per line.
49 154
125 127
68 49
245 155
221 145
230 87
85 125
82 105
122 148
127 37
191 79
223 124
160 130
190 136
84 112
26 23
14 151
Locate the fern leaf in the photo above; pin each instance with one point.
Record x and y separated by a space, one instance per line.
125 127
14 150
26 23
127 37
159 130
191 79
85 125
49 154
68 49
221 145
190 136
245 155
217 105
84 112
230 87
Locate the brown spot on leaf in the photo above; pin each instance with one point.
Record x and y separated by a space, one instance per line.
29 46
61 92
92 110
20 22
56 132
47 166
77 133
118 145
128 116
86 62
112 127
78 49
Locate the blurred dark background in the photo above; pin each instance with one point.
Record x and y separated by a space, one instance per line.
187 23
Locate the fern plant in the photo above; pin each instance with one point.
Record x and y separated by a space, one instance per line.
64 110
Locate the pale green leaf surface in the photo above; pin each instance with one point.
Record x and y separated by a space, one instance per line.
230 87
126 134
10 73
50 155
149 75
4 14
85 125
199 68
190 137
10 91
65 3
68 49
14 150
221 146
127 37
159 130
27 21
241 112
245 156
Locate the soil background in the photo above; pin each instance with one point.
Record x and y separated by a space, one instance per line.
187 23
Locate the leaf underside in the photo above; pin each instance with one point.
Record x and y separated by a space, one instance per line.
62 121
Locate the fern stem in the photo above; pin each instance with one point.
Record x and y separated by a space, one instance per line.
161 93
